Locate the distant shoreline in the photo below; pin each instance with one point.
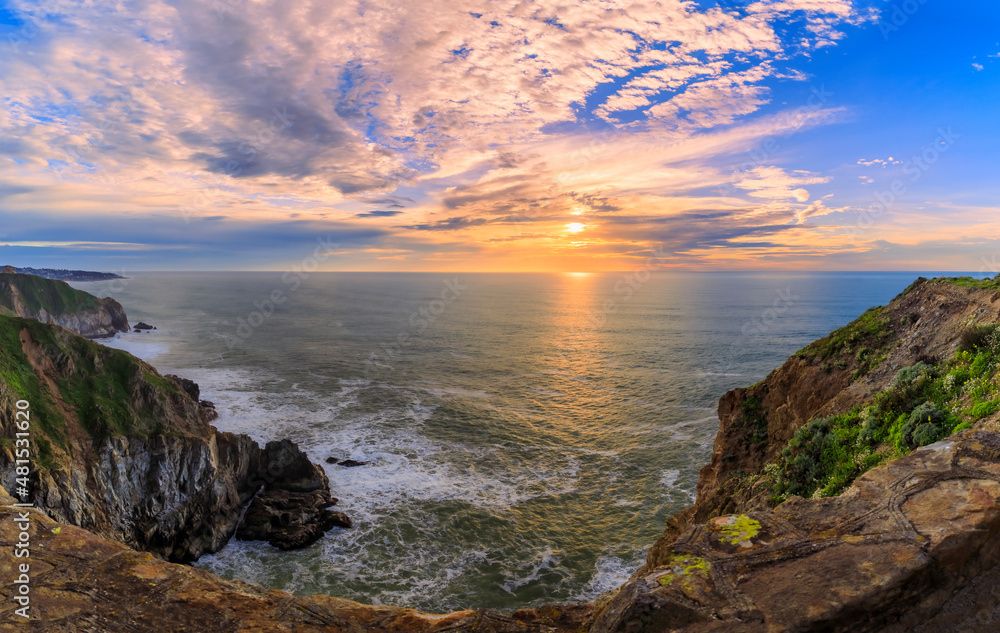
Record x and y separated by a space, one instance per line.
68 275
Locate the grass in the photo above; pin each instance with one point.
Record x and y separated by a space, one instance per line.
56 297
112 392
972 282
754 421
924 404
865 341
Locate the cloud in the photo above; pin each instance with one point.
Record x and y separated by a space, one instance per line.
878 161
776 184
978 67
203 120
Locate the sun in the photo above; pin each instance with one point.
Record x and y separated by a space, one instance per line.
575 227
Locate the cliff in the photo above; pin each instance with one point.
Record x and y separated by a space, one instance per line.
53 301
839 423
131 455
856 488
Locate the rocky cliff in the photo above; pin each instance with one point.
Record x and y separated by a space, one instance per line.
901 376
128 454
856 488
53 301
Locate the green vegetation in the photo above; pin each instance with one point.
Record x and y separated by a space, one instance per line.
112 392
866 341
57 297
754 422
972 282
924 404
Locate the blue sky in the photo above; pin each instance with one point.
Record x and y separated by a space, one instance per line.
500 135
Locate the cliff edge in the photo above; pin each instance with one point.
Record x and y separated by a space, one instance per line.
129 454
53 301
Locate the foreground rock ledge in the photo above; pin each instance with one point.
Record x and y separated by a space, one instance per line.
912 546
82 583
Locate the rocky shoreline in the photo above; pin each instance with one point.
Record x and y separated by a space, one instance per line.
906 540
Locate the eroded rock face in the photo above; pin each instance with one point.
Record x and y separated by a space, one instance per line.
169 483
45 300
924 323
903 549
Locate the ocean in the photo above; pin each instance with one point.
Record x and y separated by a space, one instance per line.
526 435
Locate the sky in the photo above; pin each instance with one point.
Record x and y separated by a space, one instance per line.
477 135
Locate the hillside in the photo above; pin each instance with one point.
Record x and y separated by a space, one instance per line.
53 301
129 454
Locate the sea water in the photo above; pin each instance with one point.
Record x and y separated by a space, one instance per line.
525 435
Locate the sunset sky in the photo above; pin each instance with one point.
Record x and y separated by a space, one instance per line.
504 135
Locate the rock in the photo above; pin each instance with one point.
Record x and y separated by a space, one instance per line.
56 302
907 548
332 460
190 387
350 463
285 467
289 520
142 326
807 386
163 479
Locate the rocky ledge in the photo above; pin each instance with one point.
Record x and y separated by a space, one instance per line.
911 547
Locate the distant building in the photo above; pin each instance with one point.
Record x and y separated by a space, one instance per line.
8 269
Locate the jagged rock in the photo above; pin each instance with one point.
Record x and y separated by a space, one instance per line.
285 467
290 520
141 325
147 469
190 387
350 463
907 548
926 321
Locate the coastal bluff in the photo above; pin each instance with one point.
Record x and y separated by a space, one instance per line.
54 301
854 489
131 455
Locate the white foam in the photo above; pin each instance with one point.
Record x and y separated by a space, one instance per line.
144 346
669 477
610 572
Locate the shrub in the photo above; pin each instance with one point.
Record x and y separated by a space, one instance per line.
908 375
975 337
925 425
984 409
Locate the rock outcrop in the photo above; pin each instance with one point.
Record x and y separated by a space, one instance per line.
913 546
131 455
924 323
55 302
